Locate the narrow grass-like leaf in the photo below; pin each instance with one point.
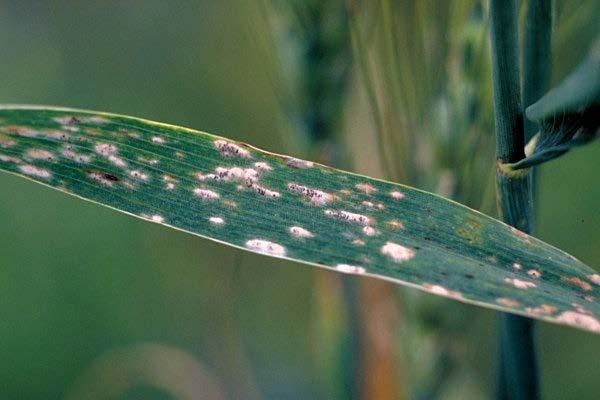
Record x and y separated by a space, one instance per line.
567 115
284 207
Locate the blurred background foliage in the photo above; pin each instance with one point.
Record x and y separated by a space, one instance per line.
98 305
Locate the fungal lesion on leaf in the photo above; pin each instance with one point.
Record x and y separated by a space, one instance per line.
544 309
471 232
19 130
266 247
519 283
397 252
206 194
350 269
366 188
34 171
229 149
508 302
6 142
316 196
348 216
39 154
296 162
103 178
442 291
576 281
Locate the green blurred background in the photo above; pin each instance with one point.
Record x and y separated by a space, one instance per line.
85 290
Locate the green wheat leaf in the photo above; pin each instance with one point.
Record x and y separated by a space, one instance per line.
285 207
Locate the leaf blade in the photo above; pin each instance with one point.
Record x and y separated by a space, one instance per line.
280 206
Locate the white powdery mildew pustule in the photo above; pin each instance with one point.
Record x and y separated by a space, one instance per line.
117 161
396 195
5 143
150 161
519 284
299 232
595 278
95 119
206 194
544 309
370 231
154 218
350 269
23 131
246 175
266 247
68 152
100 178
366 188
394 223
67 120
169 182
534 273
228 149
317 197
517 266
32 170
109 151
396 252
157 218
298 163
106 149
262 166
263 191
10 159
508 302
158 140
57 135
40 154
216 220
73 120
440 290
70 128
348 216
139 175
579 320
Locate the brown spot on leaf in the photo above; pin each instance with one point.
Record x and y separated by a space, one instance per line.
442 291
577 282
508 302
544 309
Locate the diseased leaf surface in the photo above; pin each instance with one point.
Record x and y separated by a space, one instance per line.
285 207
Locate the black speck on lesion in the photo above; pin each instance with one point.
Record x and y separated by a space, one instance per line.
110 177
105 175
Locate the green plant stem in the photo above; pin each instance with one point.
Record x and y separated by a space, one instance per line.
537 60
517 378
